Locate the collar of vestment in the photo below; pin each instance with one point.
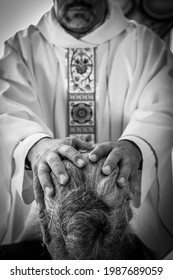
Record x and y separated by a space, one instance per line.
114 24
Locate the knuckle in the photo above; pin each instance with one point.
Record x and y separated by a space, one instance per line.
109 162
101 150
124 174
99 147
125 171
102 146
44 184
127 165
42 170
58 144
85 138
115 154
59 171
74 140
44 181
65 149
51 158
122 146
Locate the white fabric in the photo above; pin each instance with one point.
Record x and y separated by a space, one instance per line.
148 173
171 40
17 180
134 86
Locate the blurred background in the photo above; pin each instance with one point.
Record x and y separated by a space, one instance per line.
16 15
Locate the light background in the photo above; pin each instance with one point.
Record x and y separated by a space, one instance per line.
16 15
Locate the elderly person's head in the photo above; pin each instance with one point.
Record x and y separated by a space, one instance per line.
88 218
80 17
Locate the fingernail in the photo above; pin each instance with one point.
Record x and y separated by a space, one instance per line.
106 170
121 180
93 158
47 191
63 179
80 162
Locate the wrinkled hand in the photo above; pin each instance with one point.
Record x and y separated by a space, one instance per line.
123 153
46 156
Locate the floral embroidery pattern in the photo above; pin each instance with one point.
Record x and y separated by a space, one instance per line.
81 70
81 84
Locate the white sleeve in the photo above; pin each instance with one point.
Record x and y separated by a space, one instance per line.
19 158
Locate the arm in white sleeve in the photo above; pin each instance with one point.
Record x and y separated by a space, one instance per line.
149 163
150 124
19 156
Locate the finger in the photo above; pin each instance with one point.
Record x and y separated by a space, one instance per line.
111 161
45 179
99 152
39 196
82 144
73 155
58 168
125 169
38 192
86 138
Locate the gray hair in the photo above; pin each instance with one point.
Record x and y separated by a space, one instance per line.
89 217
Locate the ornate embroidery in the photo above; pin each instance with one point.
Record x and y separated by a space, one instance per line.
82 113
81 92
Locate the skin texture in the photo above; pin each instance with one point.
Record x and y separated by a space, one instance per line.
124 154
47 154
46 157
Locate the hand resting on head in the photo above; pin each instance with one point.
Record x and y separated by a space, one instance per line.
89 218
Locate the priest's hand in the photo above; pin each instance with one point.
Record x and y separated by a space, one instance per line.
123 153
46 156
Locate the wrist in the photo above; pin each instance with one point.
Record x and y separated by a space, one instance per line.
34 150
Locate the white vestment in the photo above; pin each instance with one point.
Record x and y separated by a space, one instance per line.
134 76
